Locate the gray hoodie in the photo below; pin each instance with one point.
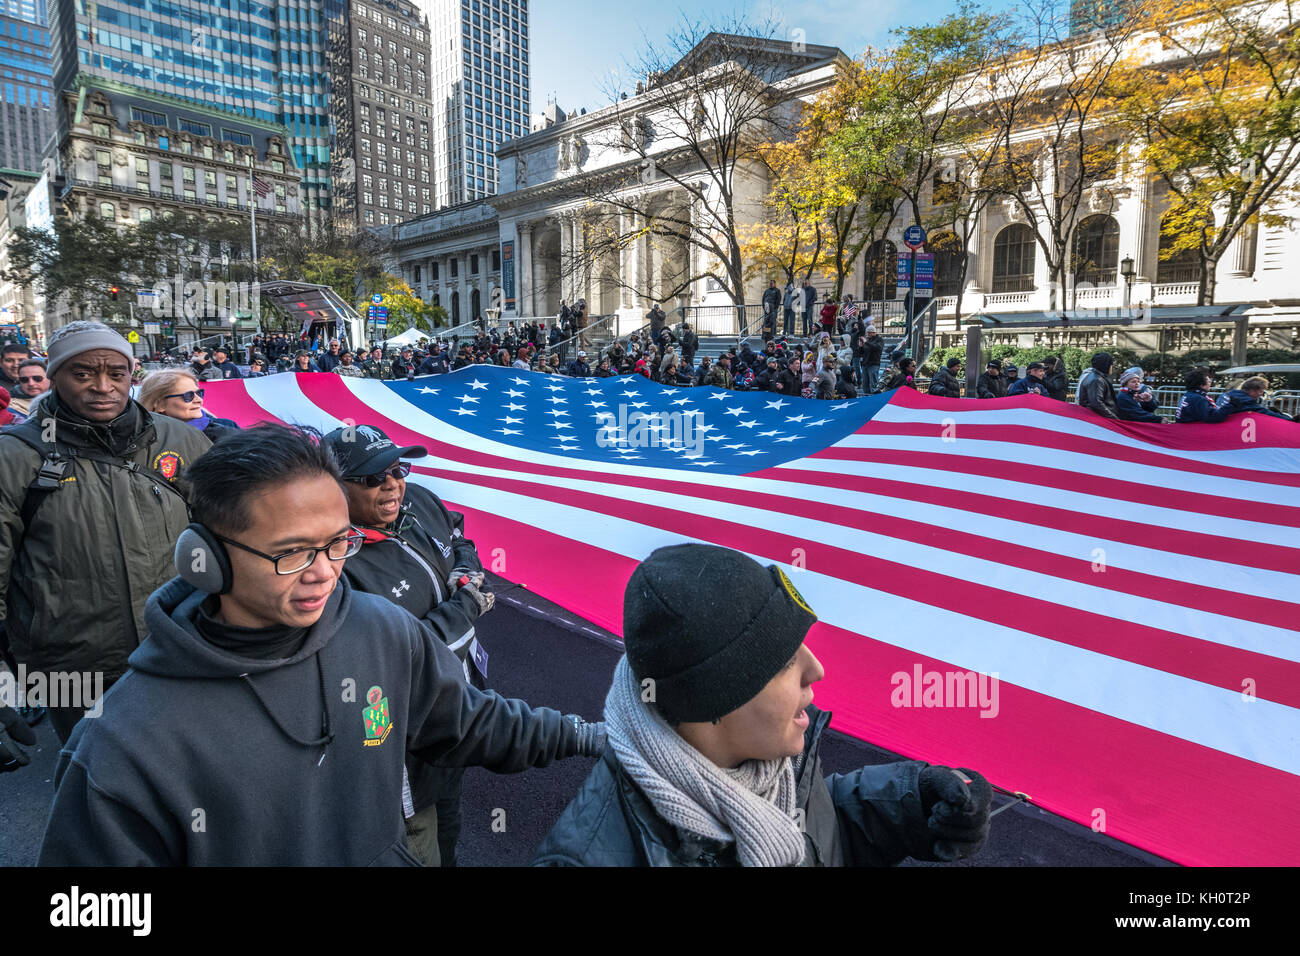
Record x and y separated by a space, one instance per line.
203 758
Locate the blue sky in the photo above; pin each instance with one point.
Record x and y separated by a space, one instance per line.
577 46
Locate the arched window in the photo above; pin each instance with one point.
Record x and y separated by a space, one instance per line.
1183 265
107 212
1096 251
947 263
879 274
1013 259
455 308
475 300
144 214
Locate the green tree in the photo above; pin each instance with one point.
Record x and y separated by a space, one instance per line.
76 262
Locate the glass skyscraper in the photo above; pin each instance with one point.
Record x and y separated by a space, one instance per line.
262 60
480 91
26 90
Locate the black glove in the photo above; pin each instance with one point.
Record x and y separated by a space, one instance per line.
13 731
591 736
957 812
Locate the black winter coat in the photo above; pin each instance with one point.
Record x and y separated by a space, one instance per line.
990 386
1197 406
1236 401
870 352
945 384
870 817
1096 391
1058 385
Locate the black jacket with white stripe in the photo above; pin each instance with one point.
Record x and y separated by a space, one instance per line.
411 563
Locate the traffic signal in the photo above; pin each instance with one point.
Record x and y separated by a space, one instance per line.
113 290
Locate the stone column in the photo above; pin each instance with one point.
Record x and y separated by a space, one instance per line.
462 285
541 278
646 270
580 274
524 269
629 261
974 258
1241 252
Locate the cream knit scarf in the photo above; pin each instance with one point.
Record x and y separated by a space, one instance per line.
752 805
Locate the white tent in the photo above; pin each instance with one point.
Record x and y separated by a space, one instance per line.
409 337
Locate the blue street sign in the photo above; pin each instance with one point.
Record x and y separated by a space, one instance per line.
376 298
914 237
924 272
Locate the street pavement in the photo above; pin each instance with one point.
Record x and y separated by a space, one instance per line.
551 658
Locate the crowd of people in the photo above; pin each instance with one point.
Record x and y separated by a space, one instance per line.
252 573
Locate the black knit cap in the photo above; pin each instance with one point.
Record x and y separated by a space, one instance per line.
684 629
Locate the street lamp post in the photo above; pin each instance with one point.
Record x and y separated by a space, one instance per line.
1128 272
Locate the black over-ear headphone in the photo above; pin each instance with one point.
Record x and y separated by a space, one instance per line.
202 560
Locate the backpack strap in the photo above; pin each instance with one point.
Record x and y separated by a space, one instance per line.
47 479
53 469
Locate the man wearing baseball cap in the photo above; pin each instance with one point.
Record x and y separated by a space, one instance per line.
579 368
712 756
89 511
416 556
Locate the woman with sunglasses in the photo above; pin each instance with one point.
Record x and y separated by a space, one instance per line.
416 555
176 394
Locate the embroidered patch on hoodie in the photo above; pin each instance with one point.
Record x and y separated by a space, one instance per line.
378 720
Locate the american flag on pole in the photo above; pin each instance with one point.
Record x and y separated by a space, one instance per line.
849 311
263 188
1135 589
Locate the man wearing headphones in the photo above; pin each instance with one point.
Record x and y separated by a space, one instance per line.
267 719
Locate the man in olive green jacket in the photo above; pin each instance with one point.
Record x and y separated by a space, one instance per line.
89 515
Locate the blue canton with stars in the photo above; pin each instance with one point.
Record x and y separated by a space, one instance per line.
631 419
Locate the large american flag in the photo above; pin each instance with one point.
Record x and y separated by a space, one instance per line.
1134 588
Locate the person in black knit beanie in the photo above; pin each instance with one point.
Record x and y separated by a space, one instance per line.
712 754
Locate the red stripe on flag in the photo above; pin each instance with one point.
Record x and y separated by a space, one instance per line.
1173 540
1232 604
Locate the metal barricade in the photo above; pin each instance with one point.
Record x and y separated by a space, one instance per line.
1284 400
